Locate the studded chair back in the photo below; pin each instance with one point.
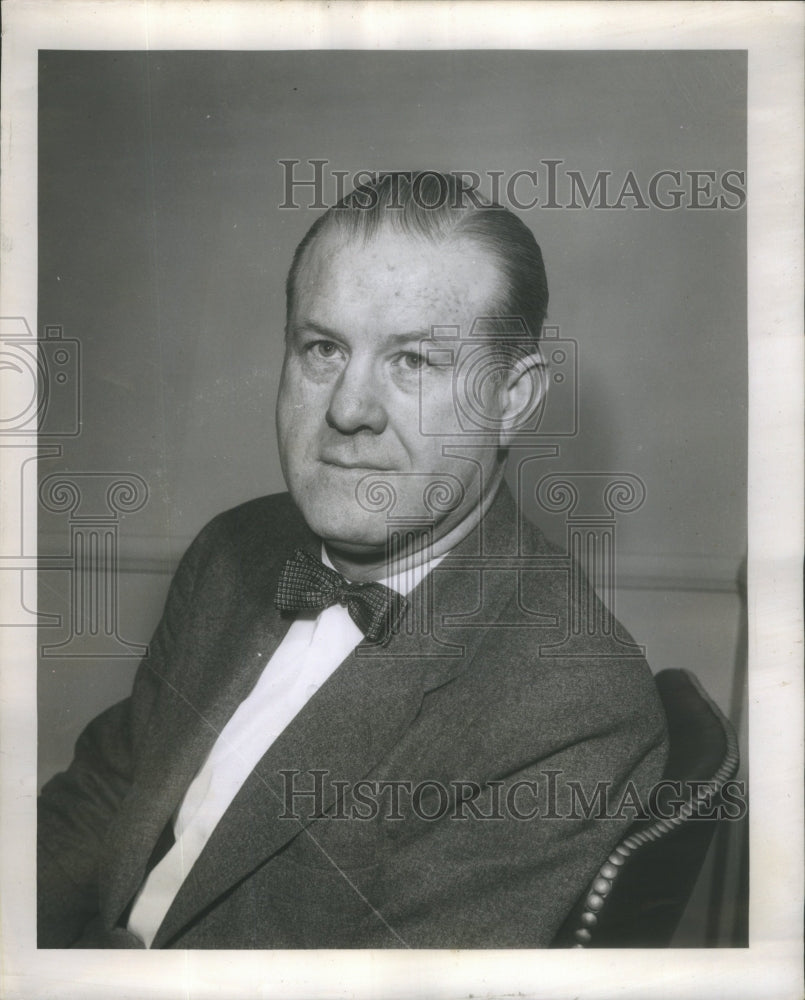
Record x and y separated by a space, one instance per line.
640 891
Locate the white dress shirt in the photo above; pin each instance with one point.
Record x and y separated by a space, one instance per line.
314 646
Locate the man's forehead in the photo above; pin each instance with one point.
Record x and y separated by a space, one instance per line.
417 276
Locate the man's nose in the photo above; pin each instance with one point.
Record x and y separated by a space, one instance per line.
356 403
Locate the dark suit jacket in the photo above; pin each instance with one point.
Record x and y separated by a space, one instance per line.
483 693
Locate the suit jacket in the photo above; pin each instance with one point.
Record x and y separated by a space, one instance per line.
478 706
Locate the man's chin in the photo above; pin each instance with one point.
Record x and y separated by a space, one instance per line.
354 542
355 539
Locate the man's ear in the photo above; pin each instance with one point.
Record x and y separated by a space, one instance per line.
523 392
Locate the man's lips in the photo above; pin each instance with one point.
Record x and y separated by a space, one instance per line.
362 466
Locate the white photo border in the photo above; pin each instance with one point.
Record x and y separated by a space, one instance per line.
771 33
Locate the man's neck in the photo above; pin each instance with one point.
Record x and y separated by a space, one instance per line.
379 565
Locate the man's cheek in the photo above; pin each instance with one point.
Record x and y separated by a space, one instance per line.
301 406
441 408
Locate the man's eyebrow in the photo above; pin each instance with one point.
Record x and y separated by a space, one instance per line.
408 337
411 336
314 327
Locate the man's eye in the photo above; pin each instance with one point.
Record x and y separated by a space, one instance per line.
323 348
413 361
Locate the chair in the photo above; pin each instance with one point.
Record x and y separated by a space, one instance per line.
641 890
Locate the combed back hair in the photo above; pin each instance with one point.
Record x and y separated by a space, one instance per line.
440 207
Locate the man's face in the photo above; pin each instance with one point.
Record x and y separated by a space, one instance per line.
357 386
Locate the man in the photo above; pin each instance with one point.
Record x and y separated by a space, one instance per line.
308 758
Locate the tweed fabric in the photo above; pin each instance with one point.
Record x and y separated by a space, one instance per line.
488 700
307 584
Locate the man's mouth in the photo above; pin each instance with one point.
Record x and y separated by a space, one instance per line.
362 465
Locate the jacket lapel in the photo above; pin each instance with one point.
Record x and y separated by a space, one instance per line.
349 726
187 727
189 719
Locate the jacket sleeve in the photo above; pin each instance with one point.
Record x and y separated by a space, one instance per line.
76 807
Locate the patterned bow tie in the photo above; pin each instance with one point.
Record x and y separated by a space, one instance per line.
306 583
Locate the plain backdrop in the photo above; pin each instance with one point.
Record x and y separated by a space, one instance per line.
162 249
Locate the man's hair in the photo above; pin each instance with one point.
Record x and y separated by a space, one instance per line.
438 206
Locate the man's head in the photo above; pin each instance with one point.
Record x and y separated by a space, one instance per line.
367 398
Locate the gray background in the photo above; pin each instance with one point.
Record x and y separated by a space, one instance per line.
163 251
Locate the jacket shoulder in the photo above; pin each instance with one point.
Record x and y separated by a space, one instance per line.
248 538
276 514
263 521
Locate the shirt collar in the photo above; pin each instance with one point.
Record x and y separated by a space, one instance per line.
403 581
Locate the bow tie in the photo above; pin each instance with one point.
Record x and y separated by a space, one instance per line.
306 583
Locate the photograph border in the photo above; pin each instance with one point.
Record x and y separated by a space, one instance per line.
771 966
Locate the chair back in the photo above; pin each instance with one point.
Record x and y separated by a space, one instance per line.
640 891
